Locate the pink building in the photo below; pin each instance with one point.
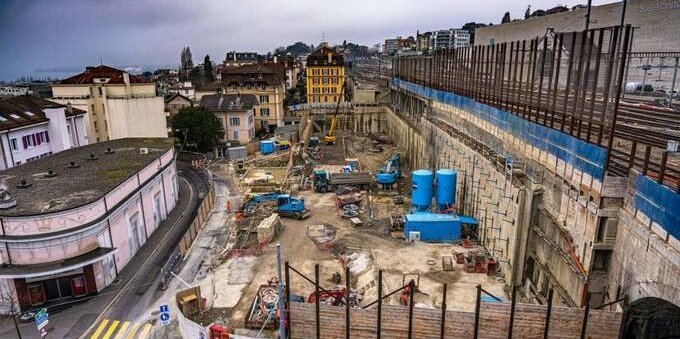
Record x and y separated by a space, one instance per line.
70 222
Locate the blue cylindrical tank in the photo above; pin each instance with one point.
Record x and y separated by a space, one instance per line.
267 146
421 193
445 189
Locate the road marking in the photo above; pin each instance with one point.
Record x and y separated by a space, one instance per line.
133 331
121 331
153 253
145 331
112 328
100 328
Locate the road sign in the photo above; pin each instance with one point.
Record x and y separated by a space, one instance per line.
40 320
42 325
165 314
43 332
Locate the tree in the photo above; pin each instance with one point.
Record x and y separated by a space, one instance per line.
506 18
207 67
527 14
197 128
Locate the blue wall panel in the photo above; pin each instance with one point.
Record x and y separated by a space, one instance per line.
659 203
584 156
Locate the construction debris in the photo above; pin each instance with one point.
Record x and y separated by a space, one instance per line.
269 228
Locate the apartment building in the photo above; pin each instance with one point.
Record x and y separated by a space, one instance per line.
237 59
264 83
236 114
32 128
73 221
325 75
118 105
450 38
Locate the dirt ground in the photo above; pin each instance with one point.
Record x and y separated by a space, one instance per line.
394 256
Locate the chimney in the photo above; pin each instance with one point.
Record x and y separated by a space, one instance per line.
276 59
330 58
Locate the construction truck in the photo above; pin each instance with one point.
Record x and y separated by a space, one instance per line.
390 173
327 182
286 205
330 138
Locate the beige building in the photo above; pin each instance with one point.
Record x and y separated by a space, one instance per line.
236 114
173 104
264 83
118 105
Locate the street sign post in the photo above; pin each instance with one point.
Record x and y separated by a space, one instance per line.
165 314
41 320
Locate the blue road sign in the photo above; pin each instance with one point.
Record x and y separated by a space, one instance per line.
165 314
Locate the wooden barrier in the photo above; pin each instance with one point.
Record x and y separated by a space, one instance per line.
494 320
202 215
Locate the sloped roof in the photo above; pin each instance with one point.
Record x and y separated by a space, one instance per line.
320 57
229 102
114 75
27 110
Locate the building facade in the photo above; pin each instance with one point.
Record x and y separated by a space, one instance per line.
264 83
118 105
236 114
72 223
450 38
237 59
32 128
173 104
325 75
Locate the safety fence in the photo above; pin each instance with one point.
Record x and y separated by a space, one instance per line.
571 82
335 314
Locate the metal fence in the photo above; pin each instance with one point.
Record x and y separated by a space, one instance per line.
568 81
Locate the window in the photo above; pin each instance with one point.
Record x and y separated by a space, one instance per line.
235 134
92 110
68 129
250 119
264 99
13 144
3 119
15 116
234 121
264 112
29 113
95 127
325 98
100 91
221 121
264 86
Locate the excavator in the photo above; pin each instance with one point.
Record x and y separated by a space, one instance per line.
330 138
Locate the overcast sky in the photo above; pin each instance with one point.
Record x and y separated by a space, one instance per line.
75 33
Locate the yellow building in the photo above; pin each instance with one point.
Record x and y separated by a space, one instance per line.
325 74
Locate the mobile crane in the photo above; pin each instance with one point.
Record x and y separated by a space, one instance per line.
330 138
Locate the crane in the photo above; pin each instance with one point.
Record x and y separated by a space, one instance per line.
330 138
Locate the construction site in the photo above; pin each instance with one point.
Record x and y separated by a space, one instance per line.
475 203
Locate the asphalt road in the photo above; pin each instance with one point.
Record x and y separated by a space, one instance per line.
137 286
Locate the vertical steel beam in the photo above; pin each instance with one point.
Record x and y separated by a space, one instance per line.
442 329
348 287
380 297
586 313
548 314
412 291
478 304
512 311
317 303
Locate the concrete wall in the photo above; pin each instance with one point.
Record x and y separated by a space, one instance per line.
140 117
656 22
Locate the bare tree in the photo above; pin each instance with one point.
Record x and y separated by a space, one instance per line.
8 298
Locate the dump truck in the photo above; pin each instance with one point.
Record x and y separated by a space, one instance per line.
326 182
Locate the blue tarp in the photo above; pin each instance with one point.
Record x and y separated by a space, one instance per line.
659 203
584 156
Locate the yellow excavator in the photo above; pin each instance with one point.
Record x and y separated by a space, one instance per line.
330 138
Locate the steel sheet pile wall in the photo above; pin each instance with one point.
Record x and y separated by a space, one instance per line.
567 82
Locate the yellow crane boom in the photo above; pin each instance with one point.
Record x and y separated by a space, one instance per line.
330 138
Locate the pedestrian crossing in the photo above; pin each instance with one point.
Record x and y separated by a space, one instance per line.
118 329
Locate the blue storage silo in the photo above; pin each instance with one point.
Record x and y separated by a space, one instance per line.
421 192
445 189
267 146
433 227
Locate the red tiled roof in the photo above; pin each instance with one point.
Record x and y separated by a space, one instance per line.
27 110
114 75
